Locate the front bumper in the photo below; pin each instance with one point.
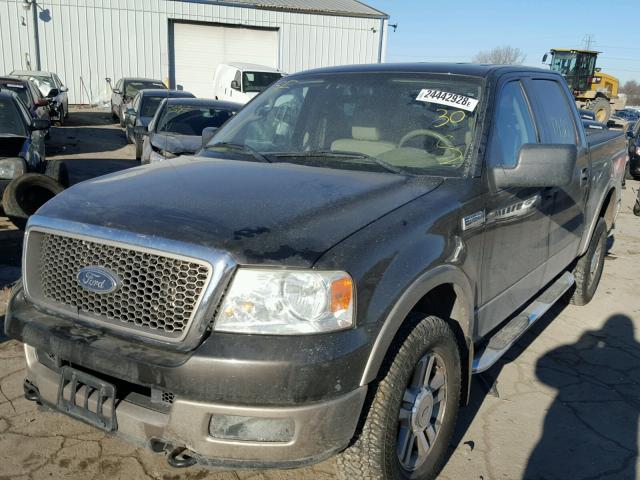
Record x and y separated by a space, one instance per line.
320 429
312 382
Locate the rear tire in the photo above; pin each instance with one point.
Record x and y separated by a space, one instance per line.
26 194
61 116
588 270
387 447
636 209
114 115
601 108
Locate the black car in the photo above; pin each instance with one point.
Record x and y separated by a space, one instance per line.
29 94
141 112
51 88
125 91
182 126
633 135
22 147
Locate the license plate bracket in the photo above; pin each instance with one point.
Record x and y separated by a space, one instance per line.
97 398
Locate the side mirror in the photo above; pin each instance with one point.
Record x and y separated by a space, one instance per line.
117 91
544 58
40 124
538 166
64 89
54 92
130 111
180 88
235 84
629 134
207 134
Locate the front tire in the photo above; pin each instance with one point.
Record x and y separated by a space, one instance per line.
588 270
601 109
411 419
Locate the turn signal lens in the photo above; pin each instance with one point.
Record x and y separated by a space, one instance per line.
341 294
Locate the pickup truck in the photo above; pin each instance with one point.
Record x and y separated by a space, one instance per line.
326 275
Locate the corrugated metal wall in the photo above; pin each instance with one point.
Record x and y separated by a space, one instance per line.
85 41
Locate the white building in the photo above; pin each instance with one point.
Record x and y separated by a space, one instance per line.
182 41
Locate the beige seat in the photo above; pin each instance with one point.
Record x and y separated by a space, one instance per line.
364 140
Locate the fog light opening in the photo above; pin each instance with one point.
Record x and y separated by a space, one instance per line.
252 429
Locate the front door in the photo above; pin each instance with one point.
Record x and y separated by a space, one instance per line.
516 244
568 216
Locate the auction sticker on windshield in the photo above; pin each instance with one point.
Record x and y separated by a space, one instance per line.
447 98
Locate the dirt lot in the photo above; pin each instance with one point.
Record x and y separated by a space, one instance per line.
563 404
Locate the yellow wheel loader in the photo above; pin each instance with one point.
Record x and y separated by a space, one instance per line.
592 89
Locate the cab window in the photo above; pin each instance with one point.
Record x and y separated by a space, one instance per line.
559 126
513 126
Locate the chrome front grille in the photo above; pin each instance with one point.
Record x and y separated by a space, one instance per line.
158 294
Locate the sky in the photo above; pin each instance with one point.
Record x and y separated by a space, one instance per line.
455 30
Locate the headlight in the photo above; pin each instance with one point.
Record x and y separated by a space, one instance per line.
160 156
11 168
286 302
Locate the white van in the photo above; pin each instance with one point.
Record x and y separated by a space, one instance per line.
240 82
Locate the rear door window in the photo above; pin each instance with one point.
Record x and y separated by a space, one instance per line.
552 107
513 126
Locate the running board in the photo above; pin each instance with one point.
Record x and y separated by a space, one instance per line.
504 338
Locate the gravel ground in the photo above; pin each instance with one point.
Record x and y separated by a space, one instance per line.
564 403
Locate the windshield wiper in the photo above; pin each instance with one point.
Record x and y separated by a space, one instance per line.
244 148
343 154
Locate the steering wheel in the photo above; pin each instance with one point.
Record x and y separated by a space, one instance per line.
442 139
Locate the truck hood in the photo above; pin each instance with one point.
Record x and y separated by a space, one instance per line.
273 214
176 144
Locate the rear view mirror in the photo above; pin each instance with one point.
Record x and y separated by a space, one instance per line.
40 124
544 58
235 85
538 166
207 134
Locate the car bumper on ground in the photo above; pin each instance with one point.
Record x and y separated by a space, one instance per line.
287 408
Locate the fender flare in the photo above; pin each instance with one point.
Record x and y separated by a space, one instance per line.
464 313
612 185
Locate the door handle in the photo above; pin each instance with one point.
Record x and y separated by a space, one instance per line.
584 175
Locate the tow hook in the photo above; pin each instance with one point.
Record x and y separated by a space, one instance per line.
31 392
181 458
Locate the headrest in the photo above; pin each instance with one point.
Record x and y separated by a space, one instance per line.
370 134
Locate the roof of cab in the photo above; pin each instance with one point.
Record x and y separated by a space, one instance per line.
35 73
253 67
141 79
205 102
159 92
470 69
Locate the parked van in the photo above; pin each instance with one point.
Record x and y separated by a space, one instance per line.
240 82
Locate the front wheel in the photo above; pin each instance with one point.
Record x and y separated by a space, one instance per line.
411 419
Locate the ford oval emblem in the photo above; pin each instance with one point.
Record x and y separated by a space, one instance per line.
98 280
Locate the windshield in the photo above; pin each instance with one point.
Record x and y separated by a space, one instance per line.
416 123
19 89
150 105
191 119
258 81
132 88
44 84
10 121
565 63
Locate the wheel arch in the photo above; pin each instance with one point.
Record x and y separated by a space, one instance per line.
606 209
444 291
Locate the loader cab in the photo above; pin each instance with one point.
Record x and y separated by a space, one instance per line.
578 67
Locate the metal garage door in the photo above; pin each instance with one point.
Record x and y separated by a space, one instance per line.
198 49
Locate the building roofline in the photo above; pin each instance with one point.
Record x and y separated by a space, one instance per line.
257 6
